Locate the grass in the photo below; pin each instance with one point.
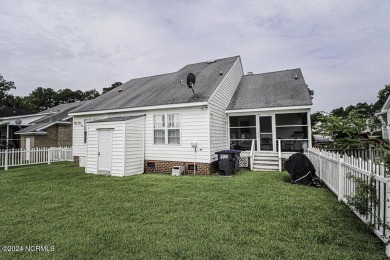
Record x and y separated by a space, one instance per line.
252 215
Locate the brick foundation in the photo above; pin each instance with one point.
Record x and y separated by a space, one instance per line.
166 167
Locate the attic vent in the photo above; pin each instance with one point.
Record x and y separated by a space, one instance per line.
250 73
210 61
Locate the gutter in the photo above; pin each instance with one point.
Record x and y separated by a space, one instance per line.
266 109
183 105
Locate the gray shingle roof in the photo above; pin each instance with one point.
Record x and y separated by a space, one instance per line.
163 89
115 119
274 89
62 107
59 113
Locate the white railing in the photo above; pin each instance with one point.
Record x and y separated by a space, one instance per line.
18 157
339 174
252 155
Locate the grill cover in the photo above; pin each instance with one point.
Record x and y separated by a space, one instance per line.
301 170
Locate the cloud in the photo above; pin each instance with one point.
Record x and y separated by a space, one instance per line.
343 47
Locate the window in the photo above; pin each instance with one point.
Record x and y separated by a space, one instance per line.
159 129
167 129
173 129
292 129
85 129
242 132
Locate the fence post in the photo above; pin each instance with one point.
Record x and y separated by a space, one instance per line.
387 214
48 155
6 159
320 164
341 178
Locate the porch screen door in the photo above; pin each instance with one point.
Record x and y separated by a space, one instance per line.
265 134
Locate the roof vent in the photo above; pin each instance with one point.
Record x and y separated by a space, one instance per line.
221 73
296 76
250 73
120 89
210 61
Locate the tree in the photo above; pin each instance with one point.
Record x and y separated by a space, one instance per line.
344 131
42 98
316 117
338 112
91 94
5 87
113 85
383 94
68 96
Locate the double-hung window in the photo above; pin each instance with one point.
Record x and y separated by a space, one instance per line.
167 128
159 129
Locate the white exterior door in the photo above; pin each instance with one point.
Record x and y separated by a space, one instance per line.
104 150
28 147
265 140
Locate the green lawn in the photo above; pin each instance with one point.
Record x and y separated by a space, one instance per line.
252 215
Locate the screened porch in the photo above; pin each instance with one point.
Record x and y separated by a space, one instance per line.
292 129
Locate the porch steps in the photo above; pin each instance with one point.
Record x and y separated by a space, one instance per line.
266 162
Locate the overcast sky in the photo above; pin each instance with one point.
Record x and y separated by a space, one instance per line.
342 47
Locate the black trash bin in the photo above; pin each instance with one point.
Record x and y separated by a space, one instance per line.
228 161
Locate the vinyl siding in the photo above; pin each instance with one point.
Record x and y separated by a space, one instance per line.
118 147
193 127
117 155
91 151
217 106
134 150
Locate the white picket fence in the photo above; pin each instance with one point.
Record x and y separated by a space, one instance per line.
373 153
335 171
18 157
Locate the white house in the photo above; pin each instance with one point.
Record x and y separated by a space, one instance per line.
384 116
154 123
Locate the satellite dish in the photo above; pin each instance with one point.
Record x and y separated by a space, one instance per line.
18 121
190 80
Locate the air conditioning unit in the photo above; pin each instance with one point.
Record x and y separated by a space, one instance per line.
177 170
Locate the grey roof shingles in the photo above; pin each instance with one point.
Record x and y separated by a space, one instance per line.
164 89
59 113
273 89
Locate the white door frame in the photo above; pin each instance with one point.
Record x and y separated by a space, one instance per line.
272 115
106 149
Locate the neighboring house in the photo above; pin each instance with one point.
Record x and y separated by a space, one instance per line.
384 116
52 130
154 123
12 120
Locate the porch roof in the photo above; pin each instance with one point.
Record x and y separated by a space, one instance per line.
274 89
